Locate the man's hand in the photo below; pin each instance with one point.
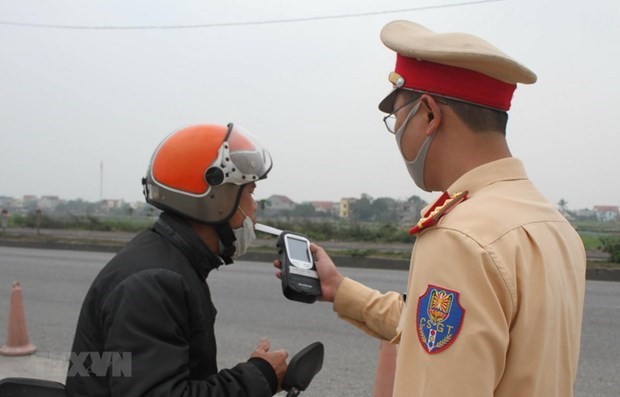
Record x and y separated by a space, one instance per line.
276 358
329 276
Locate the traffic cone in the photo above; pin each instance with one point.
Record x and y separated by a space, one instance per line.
386 367
17 341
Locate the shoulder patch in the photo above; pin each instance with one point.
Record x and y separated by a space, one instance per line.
439 318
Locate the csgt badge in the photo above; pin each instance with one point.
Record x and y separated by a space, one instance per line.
440 316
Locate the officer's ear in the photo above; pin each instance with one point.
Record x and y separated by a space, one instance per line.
430 108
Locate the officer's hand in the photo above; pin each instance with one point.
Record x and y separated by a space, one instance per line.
277 359
329 276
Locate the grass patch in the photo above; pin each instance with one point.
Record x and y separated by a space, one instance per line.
591 241
602 265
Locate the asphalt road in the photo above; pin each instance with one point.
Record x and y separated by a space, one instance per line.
250 306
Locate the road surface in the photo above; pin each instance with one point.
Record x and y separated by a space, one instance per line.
250 306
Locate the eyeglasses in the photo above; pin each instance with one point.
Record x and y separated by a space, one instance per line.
390 119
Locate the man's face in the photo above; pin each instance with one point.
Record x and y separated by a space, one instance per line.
402 106
411 139
247 204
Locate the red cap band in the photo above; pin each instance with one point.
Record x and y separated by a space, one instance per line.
454 82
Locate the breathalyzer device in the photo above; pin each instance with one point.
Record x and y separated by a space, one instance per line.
300 281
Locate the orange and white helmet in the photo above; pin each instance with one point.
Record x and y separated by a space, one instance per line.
199 171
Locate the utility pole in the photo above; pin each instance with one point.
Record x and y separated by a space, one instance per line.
101 181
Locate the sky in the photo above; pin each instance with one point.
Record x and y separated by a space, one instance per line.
121 75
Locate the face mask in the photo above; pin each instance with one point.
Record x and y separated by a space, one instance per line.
415 167
245 235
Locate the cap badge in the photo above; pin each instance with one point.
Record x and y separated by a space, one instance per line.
441 207
439 319
396 79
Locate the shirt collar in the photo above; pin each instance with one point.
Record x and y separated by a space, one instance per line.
507 169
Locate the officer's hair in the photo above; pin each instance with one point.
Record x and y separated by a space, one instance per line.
477 118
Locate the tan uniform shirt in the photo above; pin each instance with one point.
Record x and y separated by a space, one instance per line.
494 299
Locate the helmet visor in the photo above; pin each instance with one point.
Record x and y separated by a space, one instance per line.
242 158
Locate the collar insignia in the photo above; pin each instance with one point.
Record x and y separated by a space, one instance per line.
439 208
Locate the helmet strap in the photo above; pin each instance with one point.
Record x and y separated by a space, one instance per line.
227 237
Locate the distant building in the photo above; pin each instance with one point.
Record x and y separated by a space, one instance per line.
605 213
29 202
585 213
326 207
6 201
109 204
276 204
16 204
48 203
345 207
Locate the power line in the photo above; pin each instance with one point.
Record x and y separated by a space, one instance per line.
246 23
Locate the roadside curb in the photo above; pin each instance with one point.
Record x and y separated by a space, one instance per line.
599 274
363 262
62 246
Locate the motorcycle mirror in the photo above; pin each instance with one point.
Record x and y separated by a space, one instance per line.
302 368
28 387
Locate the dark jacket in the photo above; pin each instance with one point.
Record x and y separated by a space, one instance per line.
146 327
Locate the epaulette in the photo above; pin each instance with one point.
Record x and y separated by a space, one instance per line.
439 208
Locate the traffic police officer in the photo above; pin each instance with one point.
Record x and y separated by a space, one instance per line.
496 284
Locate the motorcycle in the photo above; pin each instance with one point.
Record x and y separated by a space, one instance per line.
301 370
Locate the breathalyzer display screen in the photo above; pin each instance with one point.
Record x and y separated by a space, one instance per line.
300 280
298 250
